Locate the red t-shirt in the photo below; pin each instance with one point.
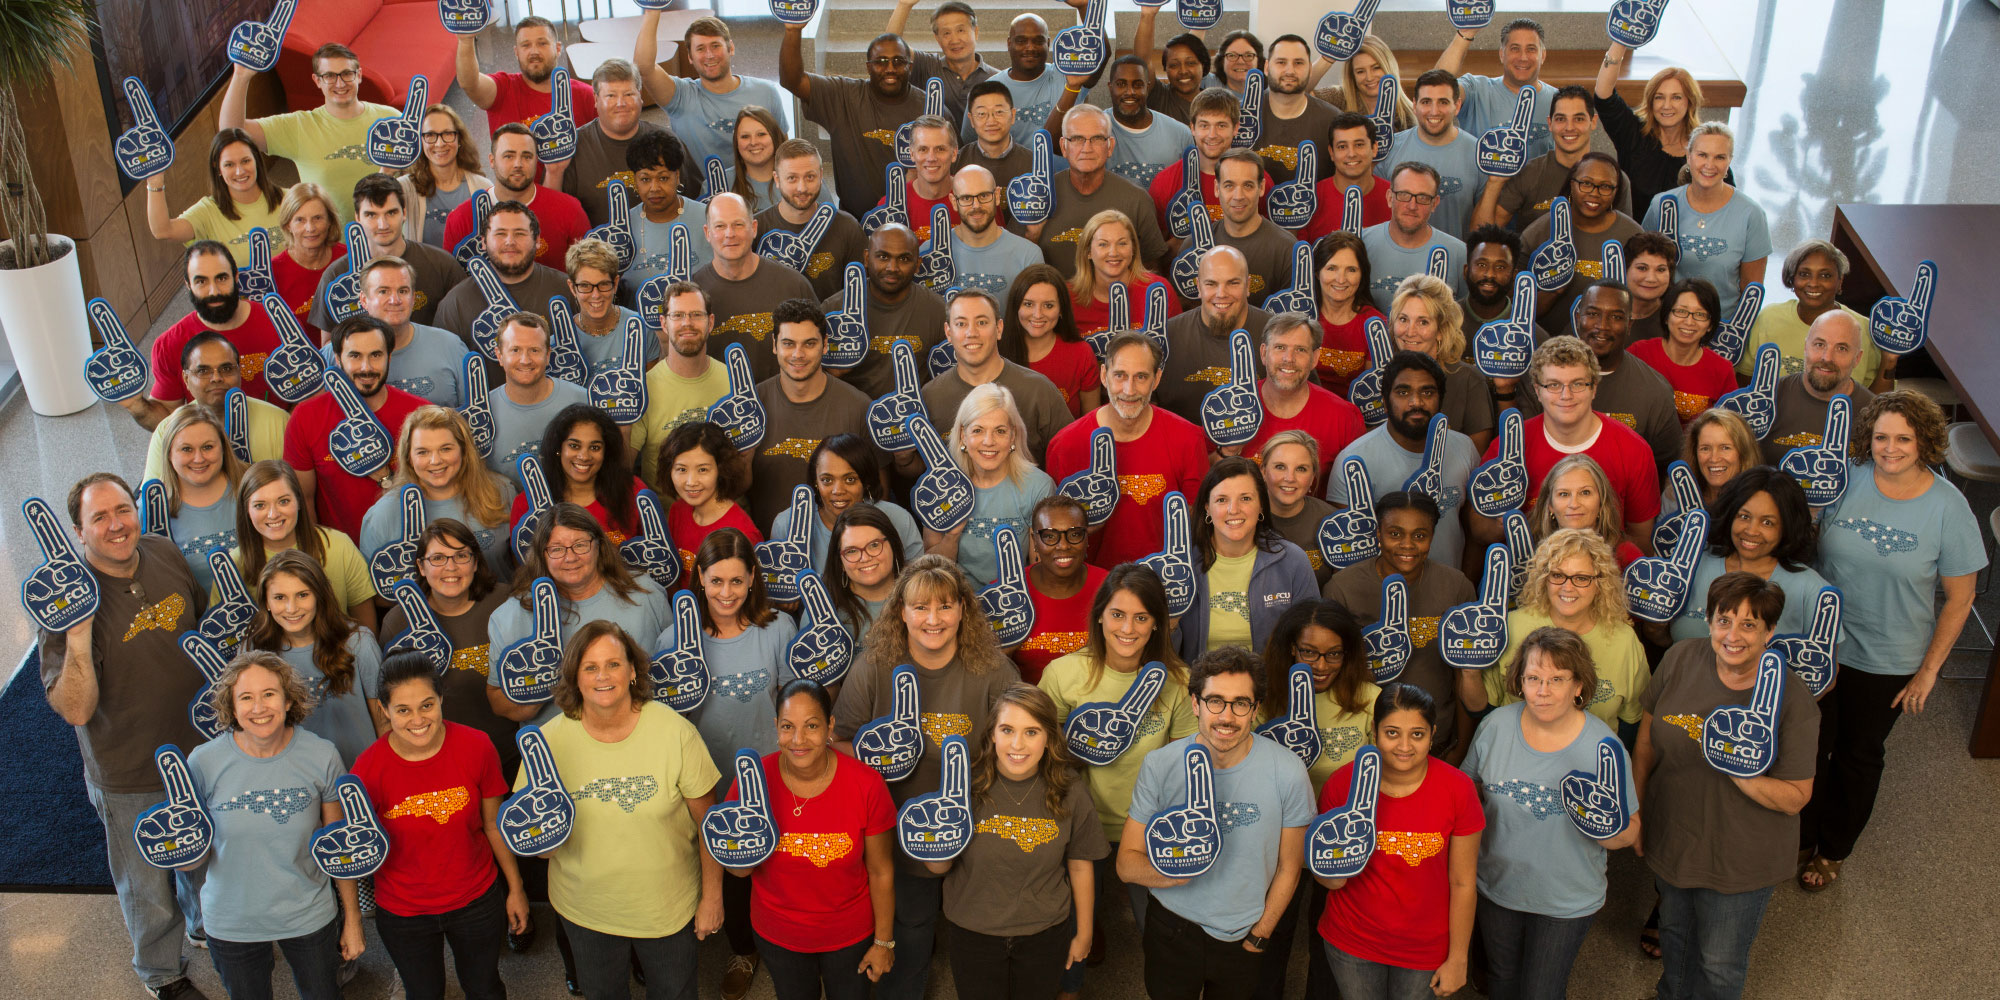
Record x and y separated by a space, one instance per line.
1095 317
297 284
1343 348
687 535
340 497
1696 386
560 216
1398 910
1626 458
1167 183
515 101
812 894
920 208
1332 421
1333 204
439 857
1626 553
1171 455
618 530
1072 366
1061 626
254 339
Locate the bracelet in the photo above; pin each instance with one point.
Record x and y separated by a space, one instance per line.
879 943
1463 37
1072 90
149 187
1504 395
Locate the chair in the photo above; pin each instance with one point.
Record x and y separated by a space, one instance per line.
1939 391
1972 458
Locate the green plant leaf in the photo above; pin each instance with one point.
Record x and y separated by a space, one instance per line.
37 36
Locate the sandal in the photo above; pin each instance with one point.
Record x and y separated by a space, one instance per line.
1824 870
1649 935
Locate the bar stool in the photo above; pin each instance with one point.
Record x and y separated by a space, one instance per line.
1939 391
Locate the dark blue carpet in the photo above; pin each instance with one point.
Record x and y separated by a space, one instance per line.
53 842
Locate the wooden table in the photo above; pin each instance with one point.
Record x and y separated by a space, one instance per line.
1883 244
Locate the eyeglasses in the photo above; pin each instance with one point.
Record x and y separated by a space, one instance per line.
896 61
1582 580
1216 704
856 553
1405 197
214 371
1054 536
1592 187
1306 654
983 198
1239 57
344 76
1694 314
988 115
1087 140
1576 388
440 560
685 317
581 549
439 138
599 287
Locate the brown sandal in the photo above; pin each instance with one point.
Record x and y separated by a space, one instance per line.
1825 870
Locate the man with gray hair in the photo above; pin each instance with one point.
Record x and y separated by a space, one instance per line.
702 109
1289 350
1198 339
1087 188
600 145
1833 353
955 25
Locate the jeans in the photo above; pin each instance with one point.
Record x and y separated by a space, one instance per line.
1705 939
1106 891
918 901
156 904
475 931
1528 955
1025 967
245 966
1308 904
1184 963
604 963
1361 979
1854 722
802 975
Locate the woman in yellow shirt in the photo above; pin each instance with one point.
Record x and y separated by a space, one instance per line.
240 198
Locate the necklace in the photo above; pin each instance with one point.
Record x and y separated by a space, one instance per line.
799 803
1028 788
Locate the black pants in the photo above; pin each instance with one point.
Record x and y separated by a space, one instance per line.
1184 963
736 916
1026 967
1854 722
1308 904
801 975
475 932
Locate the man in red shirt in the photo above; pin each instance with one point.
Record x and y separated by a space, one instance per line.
361 348
560 215
522 97
211 285
933 147
1291 401
1350 142
1214 114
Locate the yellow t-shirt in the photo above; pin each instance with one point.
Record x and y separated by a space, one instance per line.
267 438
1229 600
670 402
210 224
1778 323
1341 733
345 569
330 152
1622 673
1170 718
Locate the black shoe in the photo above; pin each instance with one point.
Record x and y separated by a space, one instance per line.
520 943
569 984
179 989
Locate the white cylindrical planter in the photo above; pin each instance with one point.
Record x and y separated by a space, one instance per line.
41 312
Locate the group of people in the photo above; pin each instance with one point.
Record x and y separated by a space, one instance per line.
1043 352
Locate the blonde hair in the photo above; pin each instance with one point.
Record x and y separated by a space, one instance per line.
1445 314
1610 524
1350 88
297 197
1282 438
192 414
1607 605
926 578
1083 287
984 399
1649 127
591 252
1703 130
478 488
1740 436
1564 351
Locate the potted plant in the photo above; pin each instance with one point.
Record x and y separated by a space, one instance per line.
41 287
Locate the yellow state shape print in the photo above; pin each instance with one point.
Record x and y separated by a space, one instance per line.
165 615
1026 832
1411 846
1688 721
938 725
821 849
440 805
1143 489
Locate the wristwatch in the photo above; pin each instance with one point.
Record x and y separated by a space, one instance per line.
1257 941
879 943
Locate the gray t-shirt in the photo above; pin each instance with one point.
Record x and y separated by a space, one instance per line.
601 351
599 160
842 244
706 121
1278 139
1526 196
1458 166
384 524
342 718
1007 504
1198 360
791 432
1801 417
1488 104
1589 263
1302 530
1143 153
517 429
1390 263
438 207
260 882
429 366
437 274
1438 590
197 531
1389 466
1033 100
531 294
645 614
862 125
741 311
652 246
990 268
918 319
1040 402
1268 251
745 673
1073 209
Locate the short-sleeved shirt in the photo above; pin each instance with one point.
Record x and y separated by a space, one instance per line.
560 218
531 294
1094 316
1168 183
339 496
843 244
1005 504
1697 386
688 533
1639 398
1615 652
254 339
1073 209
652 246
260 882
1343 349
918 208
383 524
1017 160
1398 910
342 719
1801 589
812 894
1302 529
1278 139
1042 406
436 274
1013 879
518 428
428 367
1390 466
1489 103
1198 358
515 101
1267 250
266 434
201 530
791 432
1062 625
438 204
1171 454
1779 323
763 195
1071 366
706 120
1800 417
1341 733
1333 422
917 320
863 126
1033 100
598 161
210 224
990 268
1714 244
1626 459
1457 164
819 537
741 311
1067 680
345 569
1439 589
330 152
1589 263
1143 153
642 614
603 352
439 857
463 683
673 400
1332 192
298 285
745 672
1526 196
1887 557
1389 262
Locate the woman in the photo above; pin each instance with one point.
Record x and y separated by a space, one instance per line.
1242 560
272 515
1541 881
989 443
1239 53
1815 271
1594 189
1040 333
823 914
1727 225
1577 494
462 593
630 884
754 175
863 563
1649 272
1404 926
240 198
445 177
1898 534
435 452
845 475
1699 376
260 886
1106 254
1720 446
585 463
593 272
1023 776
1424 317
1361 78
1652 141
1759 524
450 877
1290 460
201 486
312 244
703 472
1406 523
932 622
333 654
1574 584
1061 585
1341 263
1713 888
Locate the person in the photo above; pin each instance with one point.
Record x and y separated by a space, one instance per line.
740 287
1237 54
984 255
1266 247
1437 140
1212 117
1631 393
445 177
1521 200
1107 253
927 182
803 407
1340 270
1490 100
210 367
1350 145
1652 139
428 362
1723 236
241 197
512 235
933 622
1361 78
1719 844
845 473
1061 585
1039 332
312 245
899 307
201 486
210 274
657 162
559 218
601 145
832 876
1206 936
1897 534
1649 273
334 656
1422 319
682 388
991 446
592 585
972 327
758 136
1493 256
1720 445
1147 142
861 116
631 884
1183 63
1593 188
1246 573
120 679
450 878
1154 449
1291 114
589 467
1759 524
435 452
361 348
990 115
462 592
528 401
802 186
1087 188
272 515
1815 271
1833 352
701 110
1198 340
1290 464
703 471
957 63
600 321
321 141
1697 374
1036 844
518 98
379 207
1541 881
1577 494
258 889
1402 246
864 556
1041 95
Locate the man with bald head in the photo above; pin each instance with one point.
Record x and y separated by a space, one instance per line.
1035 84
861 116
1198 339
1834 346
1089 187
899 308
984 255
742 287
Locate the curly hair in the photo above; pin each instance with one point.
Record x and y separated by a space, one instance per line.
569 690
1056 768
331 628
1798 537
927 578
1609 603
1563 352
1923 414
299 701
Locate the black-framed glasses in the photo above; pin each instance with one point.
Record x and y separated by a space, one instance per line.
1307 654
1583 581
1405 197
1576 388
581 549
1688 314
1592 187
600 287
1216 705
344 76
439 560
1057 536
438 138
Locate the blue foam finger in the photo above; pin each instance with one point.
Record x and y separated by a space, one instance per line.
1340 841
741 833
1099 732
1184 842
680 674
539 817
937 826
892 744
1298 729
179 831
354 846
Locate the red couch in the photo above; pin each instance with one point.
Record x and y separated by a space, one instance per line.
396 40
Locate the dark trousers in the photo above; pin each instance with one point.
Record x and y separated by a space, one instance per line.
802 975
475 932
736 916
604 963
1109 889
1308 904
918 902
1025 967
245 966
1184 963
1528 956
1854 722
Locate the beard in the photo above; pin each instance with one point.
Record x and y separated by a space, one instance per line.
513 272
1413 425
215 308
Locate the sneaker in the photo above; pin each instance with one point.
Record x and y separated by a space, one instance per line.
198 939
179 989
736 979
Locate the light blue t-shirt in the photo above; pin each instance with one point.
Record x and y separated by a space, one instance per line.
1488 104
197 531
646 616
260 882
1457 163
764 194
652 242
1714 245
600 353
817 536
428 366
1389 466
874 615
517 429
706 121
1532 859
343 718
1255 802
1005 503
1887 556
437 209
1801 591
1143 153
383 523
745 674
990 268
1033 100
1390 263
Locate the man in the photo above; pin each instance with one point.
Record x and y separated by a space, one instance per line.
428 362
1519 200
1240 183
378 206
802 407
741 286
120 678
1205 936
361 349
927 185
657 161
1402 246
1490 100
1815 270
682 388
559 217
1291 114
984 255
211 285
1350 144
520 98
1183 64
990 113
1649 272
1437 140
958 63
1287 351
972 324
899 308
1087 188
1628 390
1413 388
800 179
1198 339
601 145
1155 450
524 404
860 116
329 143
1147 143
511 236
1035 84
702 109
1833 354
209 369
1214 129
1492 257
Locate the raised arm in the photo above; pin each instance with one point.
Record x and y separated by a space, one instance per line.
1142 45
900 17
659 83
792 64
235 101
478 86
1452 59
158 219
1488 211
1610 69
